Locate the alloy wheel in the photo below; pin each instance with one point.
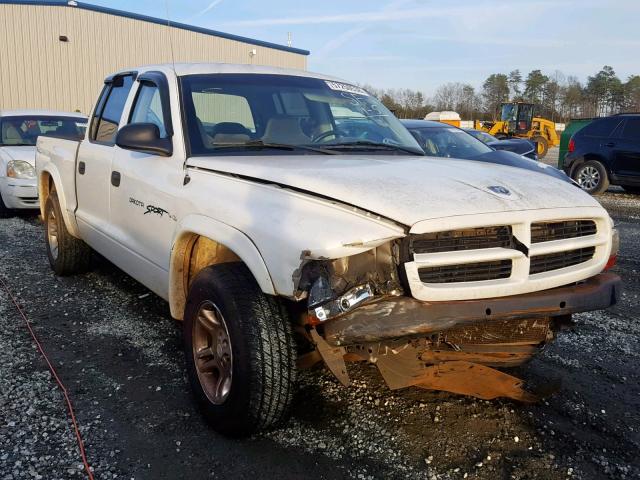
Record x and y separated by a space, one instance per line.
589 177
52 233
212 353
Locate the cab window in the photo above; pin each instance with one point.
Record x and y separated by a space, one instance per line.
148 108
223 117
107 117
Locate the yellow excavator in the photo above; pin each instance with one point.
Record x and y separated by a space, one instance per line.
517 120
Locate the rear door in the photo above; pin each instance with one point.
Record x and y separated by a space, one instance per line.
626 149
93 168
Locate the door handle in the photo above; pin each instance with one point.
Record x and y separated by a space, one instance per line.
115 179
610 144
81 168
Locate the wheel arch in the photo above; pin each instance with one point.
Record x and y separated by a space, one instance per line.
201 242
578 162
48 182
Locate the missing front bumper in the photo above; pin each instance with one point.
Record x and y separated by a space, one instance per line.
453 346
399 317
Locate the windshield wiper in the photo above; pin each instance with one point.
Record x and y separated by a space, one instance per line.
363 144
259 144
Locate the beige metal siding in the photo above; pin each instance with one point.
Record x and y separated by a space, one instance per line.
39 71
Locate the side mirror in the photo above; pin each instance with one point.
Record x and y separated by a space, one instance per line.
144 137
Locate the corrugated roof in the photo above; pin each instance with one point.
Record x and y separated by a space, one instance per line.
159 21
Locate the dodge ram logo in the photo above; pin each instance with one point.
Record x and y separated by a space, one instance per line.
500 190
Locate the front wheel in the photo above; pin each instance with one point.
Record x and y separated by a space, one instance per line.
592 177
239 351
67 254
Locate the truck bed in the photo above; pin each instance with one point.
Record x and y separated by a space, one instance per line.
56 157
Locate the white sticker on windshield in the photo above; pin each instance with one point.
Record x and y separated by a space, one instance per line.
345 87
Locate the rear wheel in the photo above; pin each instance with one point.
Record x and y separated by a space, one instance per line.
592 177
239 351
67 254
631 189
542 145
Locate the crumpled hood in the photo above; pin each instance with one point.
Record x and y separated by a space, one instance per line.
407 189
25 153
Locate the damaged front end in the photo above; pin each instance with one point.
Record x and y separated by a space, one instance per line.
337 287
359 309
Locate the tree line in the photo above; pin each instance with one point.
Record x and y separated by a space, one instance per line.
557 97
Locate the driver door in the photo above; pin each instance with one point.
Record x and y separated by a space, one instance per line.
144 199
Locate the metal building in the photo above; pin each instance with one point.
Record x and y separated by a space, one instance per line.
55 54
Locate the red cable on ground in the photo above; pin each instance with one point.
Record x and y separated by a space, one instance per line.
58 381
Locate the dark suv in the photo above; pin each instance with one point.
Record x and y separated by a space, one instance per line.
606 151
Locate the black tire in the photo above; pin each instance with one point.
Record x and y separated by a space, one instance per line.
263 366
629 189
542 145
71 255
4 211
501 136
592 177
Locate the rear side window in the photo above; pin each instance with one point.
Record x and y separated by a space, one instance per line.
603 127
631 129
104 125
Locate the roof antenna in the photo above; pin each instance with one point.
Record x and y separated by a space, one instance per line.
173 58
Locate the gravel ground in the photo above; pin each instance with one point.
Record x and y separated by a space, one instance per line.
118 352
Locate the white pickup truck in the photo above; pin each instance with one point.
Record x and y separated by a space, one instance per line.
288 218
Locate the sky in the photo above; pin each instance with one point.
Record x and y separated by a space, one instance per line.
421 44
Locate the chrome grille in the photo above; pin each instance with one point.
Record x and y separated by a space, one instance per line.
468 256
467 239
555 261
549 231
470 272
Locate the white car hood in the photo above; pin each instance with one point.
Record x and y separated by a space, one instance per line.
25 153
407 189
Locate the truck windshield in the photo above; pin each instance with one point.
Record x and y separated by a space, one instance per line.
449 142
254 114
25 130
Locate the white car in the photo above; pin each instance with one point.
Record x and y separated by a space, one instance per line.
19 131
289 218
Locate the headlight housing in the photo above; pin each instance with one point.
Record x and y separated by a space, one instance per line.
20 169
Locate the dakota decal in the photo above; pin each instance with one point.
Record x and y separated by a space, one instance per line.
152 209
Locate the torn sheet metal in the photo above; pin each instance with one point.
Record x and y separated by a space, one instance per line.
405 369
333 357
